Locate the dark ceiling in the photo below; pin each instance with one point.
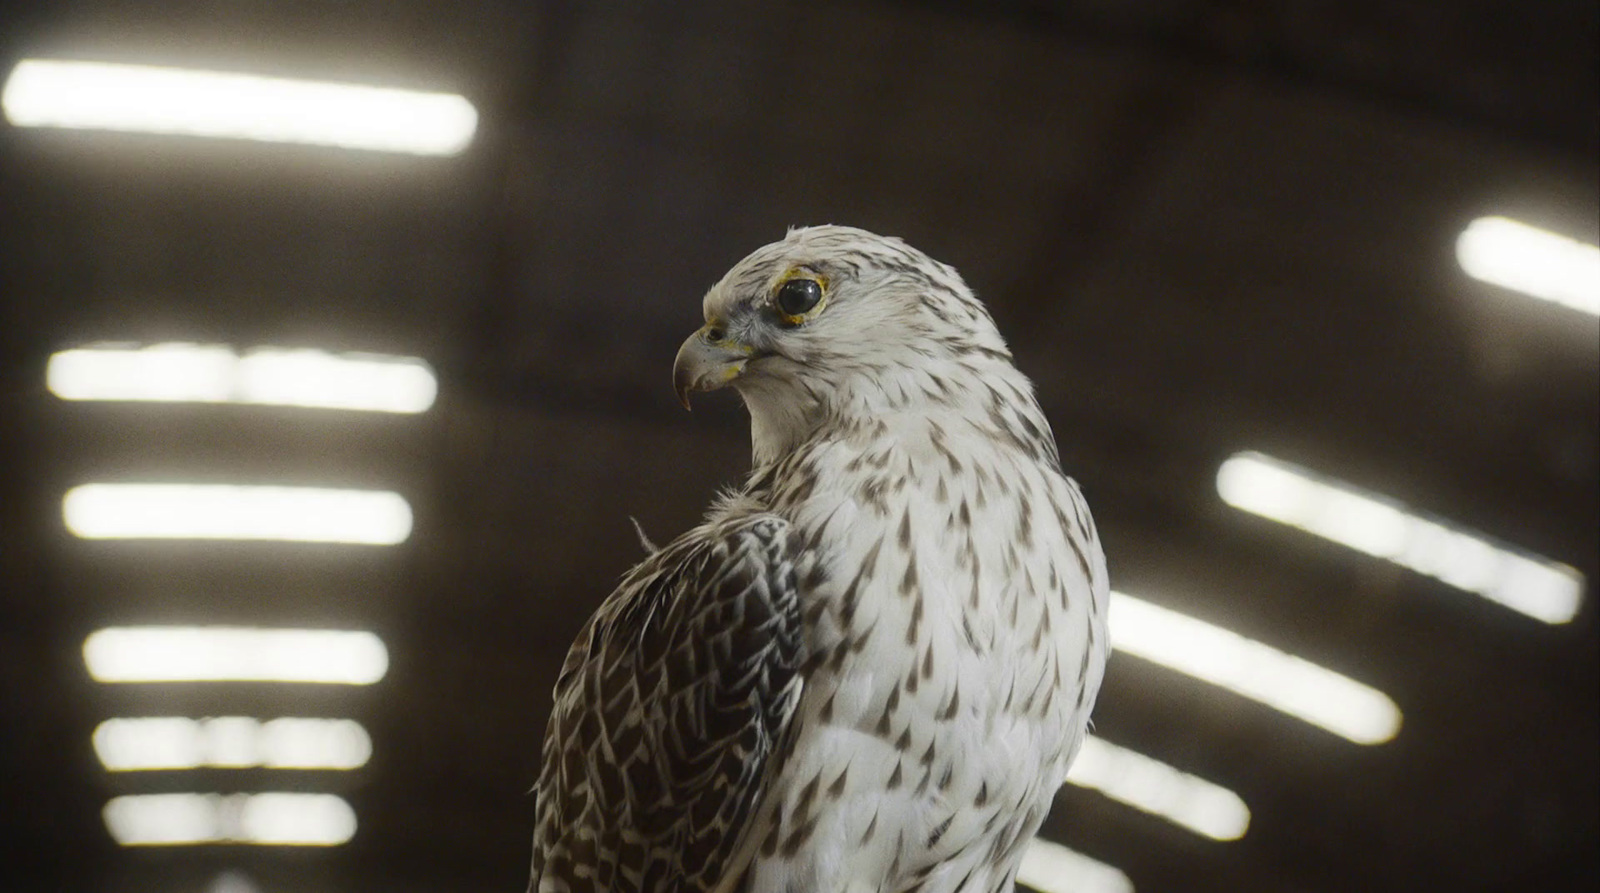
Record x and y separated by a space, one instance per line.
1204 225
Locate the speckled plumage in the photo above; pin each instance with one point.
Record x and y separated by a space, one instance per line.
869 669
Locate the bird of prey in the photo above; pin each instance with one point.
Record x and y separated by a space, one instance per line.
868 670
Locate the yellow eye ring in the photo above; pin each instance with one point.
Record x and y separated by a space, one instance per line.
798 297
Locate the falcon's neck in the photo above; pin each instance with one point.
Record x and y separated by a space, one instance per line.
779 426
989 394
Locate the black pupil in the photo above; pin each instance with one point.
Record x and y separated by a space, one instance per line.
798 295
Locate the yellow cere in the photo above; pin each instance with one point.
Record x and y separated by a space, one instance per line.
726 343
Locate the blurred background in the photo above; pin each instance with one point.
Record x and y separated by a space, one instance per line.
325 409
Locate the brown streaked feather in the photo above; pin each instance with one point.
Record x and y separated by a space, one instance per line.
667 712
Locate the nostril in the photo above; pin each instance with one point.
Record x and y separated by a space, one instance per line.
715 335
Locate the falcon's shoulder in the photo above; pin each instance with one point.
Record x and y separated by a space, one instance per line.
667 711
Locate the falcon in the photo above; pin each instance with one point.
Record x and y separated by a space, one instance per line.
870 667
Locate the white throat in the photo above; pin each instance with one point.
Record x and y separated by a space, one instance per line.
780 420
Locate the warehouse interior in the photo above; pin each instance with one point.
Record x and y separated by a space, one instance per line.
1236 245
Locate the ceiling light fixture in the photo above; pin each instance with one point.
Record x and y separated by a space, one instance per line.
153 99
1520 580
1052 868
230 742
270 819
1284 682
213 373
1536 262
232 512
1154 787
234 654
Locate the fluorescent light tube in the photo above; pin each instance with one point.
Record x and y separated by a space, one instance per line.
1284 682
269 819
211 373
231 512
226 742
234 654
1152 786
1052 868
1520 580
153 99
1533 261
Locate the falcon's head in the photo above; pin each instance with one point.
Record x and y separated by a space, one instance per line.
835 324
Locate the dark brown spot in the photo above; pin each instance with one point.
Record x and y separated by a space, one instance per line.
1083 562
955 704
836 789
908 583
859 643
836 659
807 794
799 837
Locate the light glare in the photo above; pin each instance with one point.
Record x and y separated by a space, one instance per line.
1284 682
270 819
1152 786
1052 868
152 99
1533 261
211 373
232 882
155 743
234 654
1530 584
231 512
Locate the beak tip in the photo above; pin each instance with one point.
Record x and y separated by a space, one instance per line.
703 366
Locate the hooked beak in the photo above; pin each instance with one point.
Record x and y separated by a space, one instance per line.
704 364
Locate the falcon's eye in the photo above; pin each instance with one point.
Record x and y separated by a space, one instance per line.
799 295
